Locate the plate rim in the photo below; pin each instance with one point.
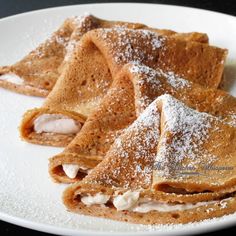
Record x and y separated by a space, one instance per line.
47 228
114 3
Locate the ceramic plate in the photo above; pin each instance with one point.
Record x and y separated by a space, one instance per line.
27 195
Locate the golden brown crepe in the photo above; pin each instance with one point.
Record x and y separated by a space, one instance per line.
124 185
196 152
95 62
40 69
37 73
80 88
134 88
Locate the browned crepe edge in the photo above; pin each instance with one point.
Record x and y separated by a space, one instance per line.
57 140
153 217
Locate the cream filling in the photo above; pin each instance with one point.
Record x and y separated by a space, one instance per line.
12 78
144 207
126 200
71 170
56 123
98 198
130 201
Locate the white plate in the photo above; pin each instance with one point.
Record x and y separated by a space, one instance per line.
27 195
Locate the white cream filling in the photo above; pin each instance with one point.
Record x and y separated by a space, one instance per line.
126 200
130 201
98 198
71 170
145 207
56 123
12 78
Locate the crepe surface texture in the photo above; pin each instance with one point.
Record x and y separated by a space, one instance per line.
133 89
131 185
37 72
148 136
100 56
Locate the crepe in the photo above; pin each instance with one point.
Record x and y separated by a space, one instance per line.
79 90
90 72
195 61
200 145
134 88
37 73
86 79
124 185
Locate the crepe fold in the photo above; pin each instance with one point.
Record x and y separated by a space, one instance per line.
83 82
125 186
98 57
133 89
37 72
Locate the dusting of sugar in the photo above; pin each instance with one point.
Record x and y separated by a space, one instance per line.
79 21
70 49
82 24
151 79
147 77
127 44
174 80
232 120
138 142
189 130
61 40
57 38
150 76
41 202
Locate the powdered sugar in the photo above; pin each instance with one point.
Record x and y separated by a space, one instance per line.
174 80
82 24
189 130
40 202
80 20
233 120
136 147
61 40
127 44
47 207
70 49
151 83
146 81
150 75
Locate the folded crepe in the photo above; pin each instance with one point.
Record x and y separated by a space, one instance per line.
82 84
134 88
125 186
98 57
37 73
